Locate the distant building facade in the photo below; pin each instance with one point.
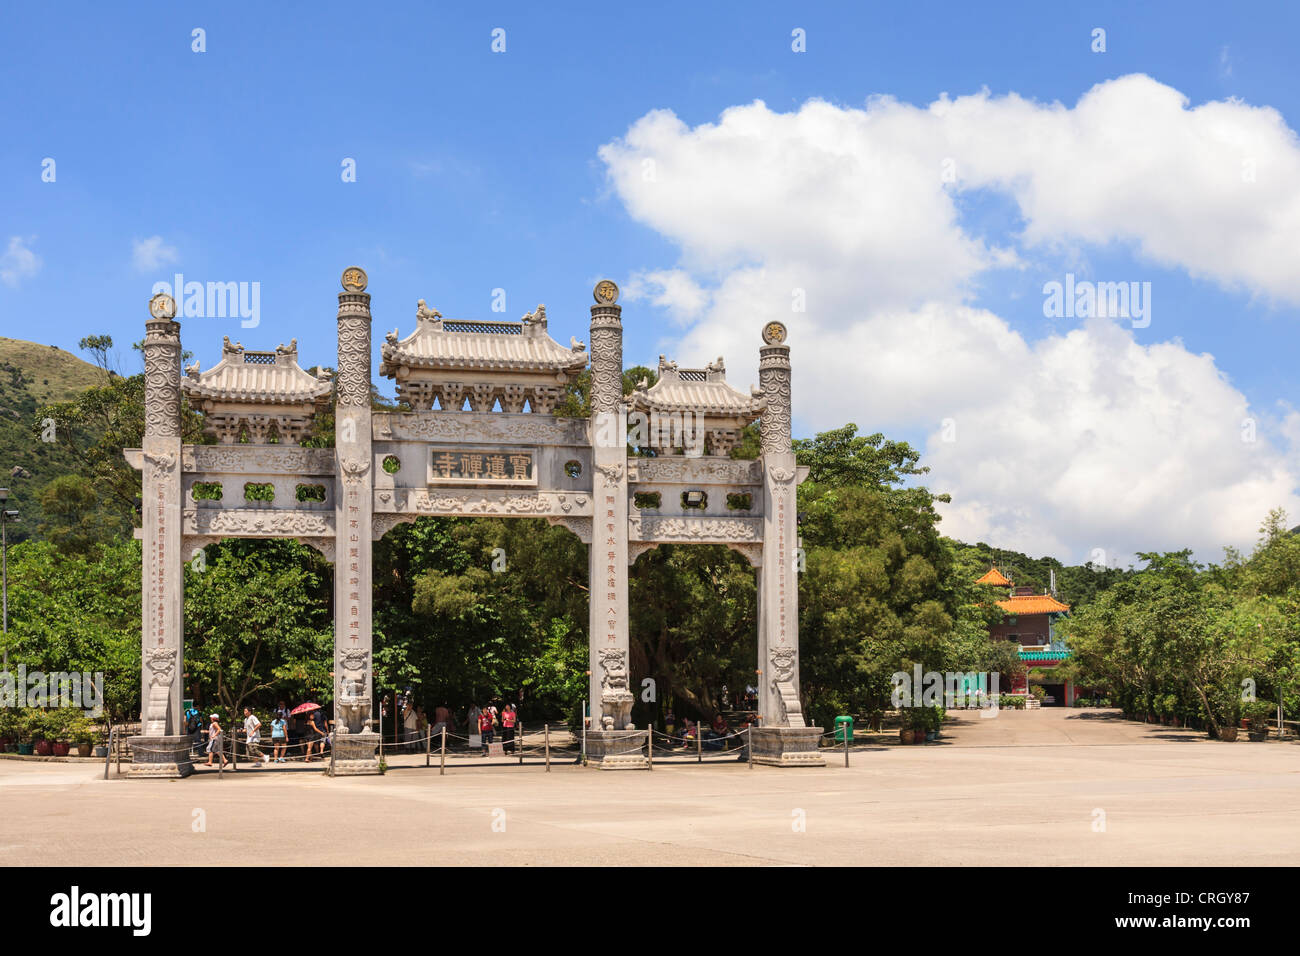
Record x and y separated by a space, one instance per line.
1028 620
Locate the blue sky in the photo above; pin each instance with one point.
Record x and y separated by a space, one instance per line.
479 170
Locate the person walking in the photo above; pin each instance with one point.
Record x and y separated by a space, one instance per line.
410 724
441 718
485 729
214 741
279 736
253 736
472 721
315 735
508 720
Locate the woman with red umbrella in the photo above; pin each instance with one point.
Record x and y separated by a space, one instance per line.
315 727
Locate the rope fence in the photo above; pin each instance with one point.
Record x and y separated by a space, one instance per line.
552 742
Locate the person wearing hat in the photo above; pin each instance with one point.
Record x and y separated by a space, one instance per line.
214 741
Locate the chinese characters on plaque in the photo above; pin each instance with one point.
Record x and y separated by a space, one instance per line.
479 467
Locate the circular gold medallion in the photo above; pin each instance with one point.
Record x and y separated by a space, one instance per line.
354 279
162 306
774 333
606 292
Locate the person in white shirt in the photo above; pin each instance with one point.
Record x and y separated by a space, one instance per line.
410 723
253 733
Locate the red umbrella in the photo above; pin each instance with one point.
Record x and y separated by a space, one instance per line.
303 709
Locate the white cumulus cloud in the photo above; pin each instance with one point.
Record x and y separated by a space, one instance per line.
18 262
152 253
1077 440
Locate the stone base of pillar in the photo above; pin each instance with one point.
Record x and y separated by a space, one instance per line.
355 754
161 756
787 746
617 749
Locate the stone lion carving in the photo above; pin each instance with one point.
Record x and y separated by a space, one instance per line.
613 662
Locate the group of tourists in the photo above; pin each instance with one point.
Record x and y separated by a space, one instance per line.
315 735
416 729
712 737
487 720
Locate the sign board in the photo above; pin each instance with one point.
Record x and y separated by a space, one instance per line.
475 466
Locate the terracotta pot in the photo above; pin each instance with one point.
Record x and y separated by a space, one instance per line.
918 736
43 748
1228 734
61 748
83 750
905 735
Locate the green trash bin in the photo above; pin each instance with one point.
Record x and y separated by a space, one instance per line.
843 725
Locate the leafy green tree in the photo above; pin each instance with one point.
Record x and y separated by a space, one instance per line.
73 518
257 623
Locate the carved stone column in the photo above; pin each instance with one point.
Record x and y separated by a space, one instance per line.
162 749
784 739
612 741
354 741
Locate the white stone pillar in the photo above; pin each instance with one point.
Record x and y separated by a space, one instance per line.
785 739
354 743
162 749
612 742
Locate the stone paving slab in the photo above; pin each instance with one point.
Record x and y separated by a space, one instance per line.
1168 797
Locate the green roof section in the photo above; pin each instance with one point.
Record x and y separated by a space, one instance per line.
1043 655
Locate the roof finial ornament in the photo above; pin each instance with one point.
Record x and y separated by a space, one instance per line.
423 312
354 279
606 292
575 345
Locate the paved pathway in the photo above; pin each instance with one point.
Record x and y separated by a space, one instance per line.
1022 788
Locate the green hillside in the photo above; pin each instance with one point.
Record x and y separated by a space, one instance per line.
33 375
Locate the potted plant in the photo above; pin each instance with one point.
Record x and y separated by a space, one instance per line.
1257 714
39 722
10 724
919 718
23 732
82 733
936 715
56 730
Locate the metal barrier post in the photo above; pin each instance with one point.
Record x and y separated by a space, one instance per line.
442 760
699 743
546 729
846 744
749 745
650 747
108 751
519 740
428 744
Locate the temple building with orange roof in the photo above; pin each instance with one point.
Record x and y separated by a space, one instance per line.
1028 619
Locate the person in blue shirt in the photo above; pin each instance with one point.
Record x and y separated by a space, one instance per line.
279 737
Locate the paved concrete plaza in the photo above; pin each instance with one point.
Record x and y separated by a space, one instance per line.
1025 787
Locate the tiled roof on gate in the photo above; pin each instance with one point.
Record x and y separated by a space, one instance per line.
451 344
701 390
243 375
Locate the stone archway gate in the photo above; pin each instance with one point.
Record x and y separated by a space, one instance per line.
479 439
